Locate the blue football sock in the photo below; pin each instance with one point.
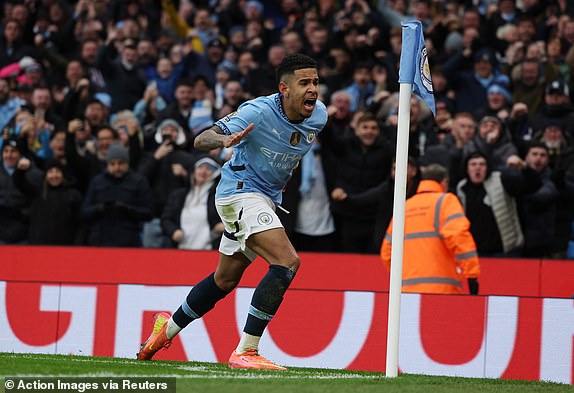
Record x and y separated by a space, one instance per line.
266 299
199 301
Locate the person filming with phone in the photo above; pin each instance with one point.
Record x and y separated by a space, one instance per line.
166 169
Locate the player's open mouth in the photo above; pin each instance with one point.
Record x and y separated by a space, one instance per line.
310 104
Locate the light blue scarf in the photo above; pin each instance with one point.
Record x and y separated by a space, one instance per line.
308 171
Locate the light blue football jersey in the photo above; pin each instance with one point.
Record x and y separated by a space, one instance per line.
264 160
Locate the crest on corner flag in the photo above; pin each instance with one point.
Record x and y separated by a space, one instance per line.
414 66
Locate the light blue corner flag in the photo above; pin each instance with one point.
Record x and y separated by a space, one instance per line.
414 66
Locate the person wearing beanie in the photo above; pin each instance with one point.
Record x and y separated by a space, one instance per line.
471 85
557 107
14 147
189 218
117 203
489 197
498 103
117 152
500 89
55 208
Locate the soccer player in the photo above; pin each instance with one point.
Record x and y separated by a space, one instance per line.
269 136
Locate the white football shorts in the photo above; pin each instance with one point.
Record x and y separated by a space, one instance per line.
243 215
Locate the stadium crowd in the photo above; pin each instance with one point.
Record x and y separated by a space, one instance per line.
100 102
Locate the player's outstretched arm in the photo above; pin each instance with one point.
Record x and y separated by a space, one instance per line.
214 138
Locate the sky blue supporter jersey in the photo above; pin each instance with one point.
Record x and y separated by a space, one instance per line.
264 160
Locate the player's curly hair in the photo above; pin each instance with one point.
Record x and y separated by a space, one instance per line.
292 63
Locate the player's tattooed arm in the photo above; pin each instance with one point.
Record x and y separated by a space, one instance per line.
214 138
209 139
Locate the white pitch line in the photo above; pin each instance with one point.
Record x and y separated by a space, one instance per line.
102 360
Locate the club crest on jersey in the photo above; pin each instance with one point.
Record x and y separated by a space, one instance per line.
229 116
295 138
311 136
264 218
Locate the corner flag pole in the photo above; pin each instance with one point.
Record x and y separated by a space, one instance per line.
414 76
401 160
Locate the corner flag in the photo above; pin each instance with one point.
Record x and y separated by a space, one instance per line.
414 67
414 75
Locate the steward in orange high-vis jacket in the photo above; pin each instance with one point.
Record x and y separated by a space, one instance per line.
439 250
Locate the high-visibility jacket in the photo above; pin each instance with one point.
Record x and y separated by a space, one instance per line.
438 247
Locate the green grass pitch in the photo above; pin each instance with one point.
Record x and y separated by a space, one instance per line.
216 377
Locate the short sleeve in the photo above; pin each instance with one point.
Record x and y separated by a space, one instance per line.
239 120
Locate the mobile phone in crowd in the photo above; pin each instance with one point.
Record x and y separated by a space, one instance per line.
167 138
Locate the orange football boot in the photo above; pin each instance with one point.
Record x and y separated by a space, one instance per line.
157 339
252 360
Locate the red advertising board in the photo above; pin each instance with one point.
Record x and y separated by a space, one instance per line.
100 302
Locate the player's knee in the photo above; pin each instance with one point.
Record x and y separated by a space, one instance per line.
291 263
226 284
